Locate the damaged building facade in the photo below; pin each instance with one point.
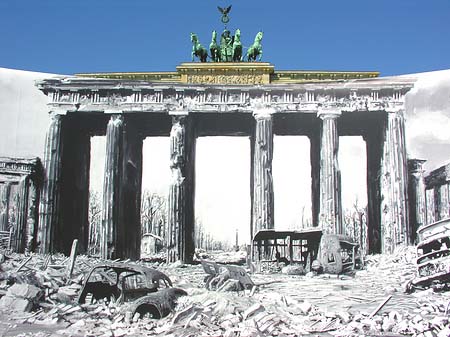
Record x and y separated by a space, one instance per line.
218 99
20 182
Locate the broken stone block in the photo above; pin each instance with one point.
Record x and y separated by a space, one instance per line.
293 270
344 316
388 324
444 332
429 333
439 321
305 307
253 310
15 304
26 291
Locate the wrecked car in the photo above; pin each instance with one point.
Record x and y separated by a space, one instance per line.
287 247
433 256
140 290
226 277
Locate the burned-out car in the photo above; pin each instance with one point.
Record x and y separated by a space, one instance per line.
433 256
139 289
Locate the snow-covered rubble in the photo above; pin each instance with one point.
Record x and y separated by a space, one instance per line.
286 305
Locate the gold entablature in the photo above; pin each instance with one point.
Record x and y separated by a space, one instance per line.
235 73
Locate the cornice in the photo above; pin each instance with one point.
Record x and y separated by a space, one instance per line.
118 96
245 73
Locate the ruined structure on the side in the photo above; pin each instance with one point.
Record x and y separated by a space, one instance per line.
205 99
20 181
437 194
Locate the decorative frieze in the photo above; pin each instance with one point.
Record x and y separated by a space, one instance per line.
76 94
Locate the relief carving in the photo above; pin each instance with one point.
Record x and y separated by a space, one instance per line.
114 99
225 79
85 98
64 97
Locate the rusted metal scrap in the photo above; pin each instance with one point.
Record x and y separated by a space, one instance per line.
144 291
338 254
226 277
273 248
433 256
308 249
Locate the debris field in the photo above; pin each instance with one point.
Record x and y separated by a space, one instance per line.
39 298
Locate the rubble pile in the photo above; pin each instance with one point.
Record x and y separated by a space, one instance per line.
38 295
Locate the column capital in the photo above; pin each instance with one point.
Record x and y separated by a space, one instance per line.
416 165
395 110
181 113
263 113
328 114
116 116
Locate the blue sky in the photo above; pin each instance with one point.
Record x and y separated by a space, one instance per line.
393 37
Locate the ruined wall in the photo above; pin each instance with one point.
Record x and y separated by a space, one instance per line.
438 194
23 114
24 117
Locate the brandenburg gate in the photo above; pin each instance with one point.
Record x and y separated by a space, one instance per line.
249 99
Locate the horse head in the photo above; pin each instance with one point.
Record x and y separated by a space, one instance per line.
214 36
259 37
237 35
194 37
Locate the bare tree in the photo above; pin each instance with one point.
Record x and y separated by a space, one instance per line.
199 234
95 220
153 213
355 224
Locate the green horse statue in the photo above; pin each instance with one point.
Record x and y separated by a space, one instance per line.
197 49
255 49
237 46
214 48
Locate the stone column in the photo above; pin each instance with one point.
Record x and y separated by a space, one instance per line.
431 206
50 193
121 224
21 218
129 244
263 200
374 146
442 201
416 194
394 185
180 228
111 191
32 216
252 170
330 218
74 216
314 154
5 191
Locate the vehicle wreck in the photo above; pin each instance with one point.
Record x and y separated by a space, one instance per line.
140 290
433 256
308 250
